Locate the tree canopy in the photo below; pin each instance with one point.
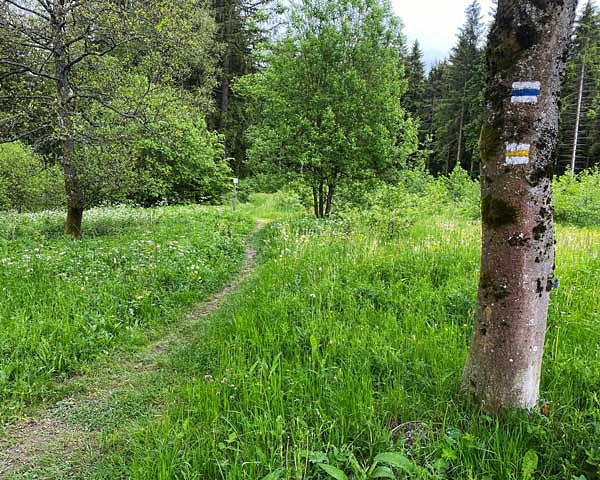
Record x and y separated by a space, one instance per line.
329 98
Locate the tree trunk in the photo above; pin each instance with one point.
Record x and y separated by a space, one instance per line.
321 198
518 147
64 96
328 204
577 119
224 20
460 134
315 201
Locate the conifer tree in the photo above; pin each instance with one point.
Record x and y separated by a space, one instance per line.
241 26
415 100
457 121
579 137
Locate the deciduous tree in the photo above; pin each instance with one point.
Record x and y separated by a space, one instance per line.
330 97
86 62
525 63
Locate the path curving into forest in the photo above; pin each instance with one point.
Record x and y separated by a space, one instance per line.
48 434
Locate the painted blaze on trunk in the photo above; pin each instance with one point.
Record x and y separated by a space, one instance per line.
525 63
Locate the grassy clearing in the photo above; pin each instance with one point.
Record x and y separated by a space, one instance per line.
350 343
65 303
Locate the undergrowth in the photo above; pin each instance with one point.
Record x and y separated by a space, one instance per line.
342 359
63 303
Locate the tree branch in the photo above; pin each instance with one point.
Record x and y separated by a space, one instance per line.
28 10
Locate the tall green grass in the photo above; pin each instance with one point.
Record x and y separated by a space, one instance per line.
349 343
63 303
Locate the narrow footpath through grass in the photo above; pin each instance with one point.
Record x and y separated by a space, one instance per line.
118 387
346 344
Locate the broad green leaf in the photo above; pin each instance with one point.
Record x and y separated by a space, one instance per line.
383 472
395 460
333 471
274 475
530 464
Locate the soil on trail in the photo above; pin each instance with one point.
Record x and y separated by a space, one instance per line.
49 434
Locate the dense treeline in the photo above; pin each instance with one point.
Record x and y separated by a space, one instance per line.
580 114
450 98
154 101
128 99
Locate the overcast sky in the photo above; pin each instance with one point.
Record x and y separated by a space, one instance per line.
435 23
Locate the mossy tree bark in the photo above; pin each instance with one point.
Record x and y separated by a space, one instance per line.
65 97
527 45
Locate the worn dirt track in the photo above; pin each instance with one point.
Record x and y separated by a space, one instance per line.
48 433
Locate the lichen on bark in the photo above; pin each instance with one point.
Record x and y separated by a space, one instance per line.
527 43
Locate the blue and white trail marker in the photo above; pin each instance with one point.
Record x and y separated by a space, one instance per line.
525 92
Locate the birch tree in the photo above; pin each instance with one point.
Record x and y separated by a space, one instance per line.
525 63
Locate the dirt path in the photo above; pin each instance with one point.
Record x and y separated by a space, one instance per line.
50 435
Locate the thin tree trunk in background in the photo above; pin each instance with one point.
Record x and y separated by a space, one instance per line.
223 16
328 204
321 198
73 190
577 119
315 201
518 147
460 134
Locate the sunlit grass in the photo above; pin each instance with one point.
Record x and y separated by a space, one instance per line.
348 344
63 303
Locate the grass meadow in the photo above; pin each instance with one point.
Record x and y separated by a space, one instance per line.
64 303
340 358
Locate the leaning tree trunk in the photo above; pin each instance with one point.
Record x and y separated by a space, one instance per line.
65 121
525 63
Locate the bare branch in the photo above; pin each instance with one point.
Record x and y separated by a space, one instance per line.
28 10
21 68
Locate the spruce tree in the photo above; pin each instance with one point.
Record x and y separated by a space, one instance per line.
241 26
579 136
435 93
457 121
415 75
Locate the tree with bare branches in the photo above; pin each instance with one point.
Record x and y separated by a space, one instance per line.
73 59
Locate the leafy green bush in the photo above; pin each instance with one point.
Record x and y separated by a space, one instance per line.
25 183
183 162
392 208
577 198
464 192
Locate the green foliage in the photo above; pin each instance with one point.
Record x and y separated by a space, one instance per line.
330 96
26 184
172 158
134 273
182 162
456 95
135 117
392 209
530 464
348 346
577 198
